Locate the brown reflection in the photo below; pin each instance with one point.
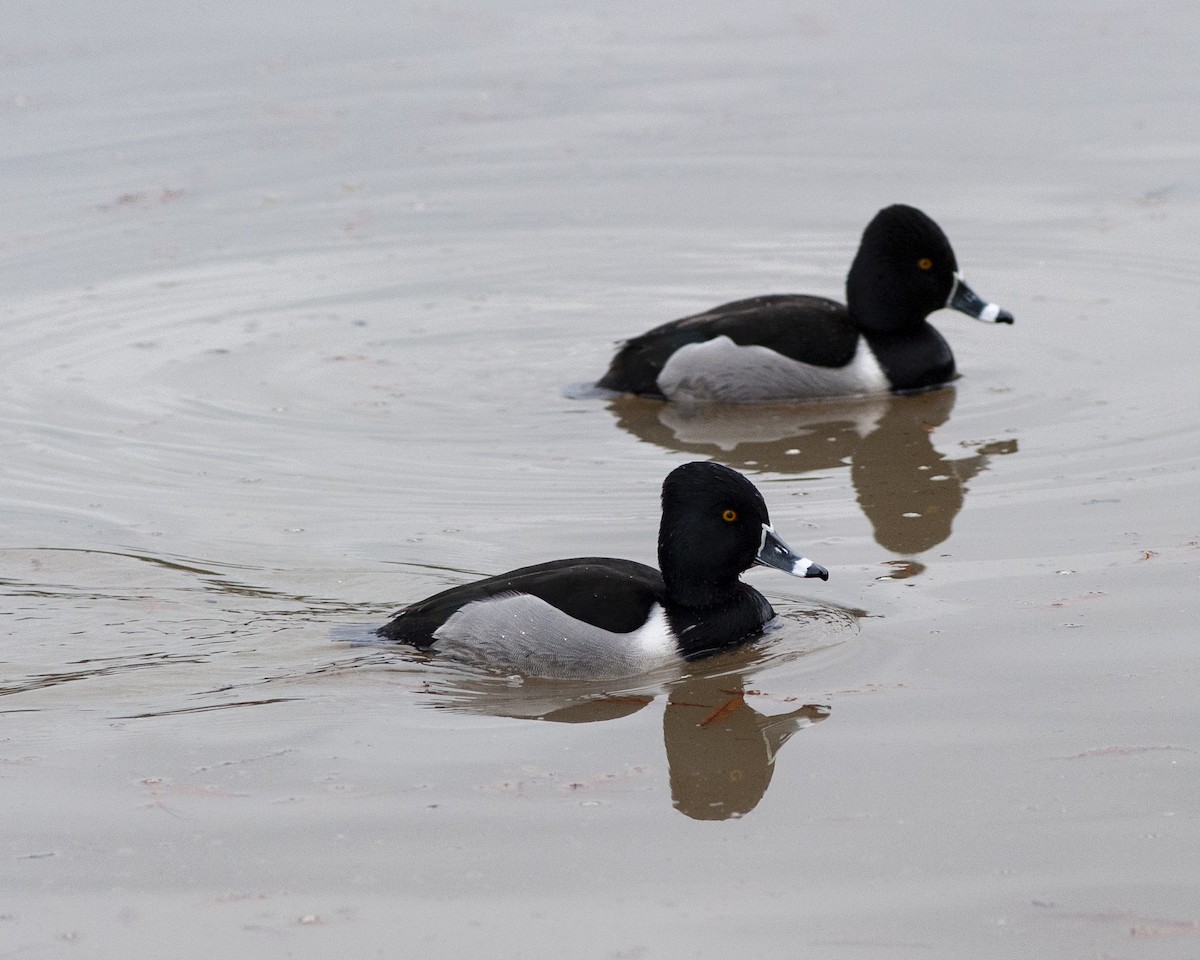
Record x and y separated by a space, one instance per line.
720 750
909 491
555 701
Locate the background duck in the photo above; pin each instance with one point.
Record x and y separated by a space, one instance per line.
801 347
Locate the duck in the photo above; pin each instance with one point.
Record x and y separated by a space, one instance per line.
797 347
606 618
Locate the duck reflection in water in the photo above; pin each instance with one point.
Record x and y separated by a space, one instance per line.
720 750
909 491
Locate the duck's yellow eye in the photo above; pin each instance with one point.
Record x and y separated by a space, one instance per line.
729 516
925 263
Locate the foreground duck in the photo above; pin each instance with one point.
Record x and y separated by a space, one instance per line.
606 618
800 347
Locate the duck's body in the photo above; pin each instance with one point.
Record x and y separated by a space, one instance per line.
799 347
591 616
603 617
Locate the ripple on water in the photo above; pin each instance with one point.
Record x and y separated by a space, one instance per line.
87 625
197 398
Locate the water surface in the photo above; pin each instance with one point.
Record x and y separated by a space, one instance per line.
294 300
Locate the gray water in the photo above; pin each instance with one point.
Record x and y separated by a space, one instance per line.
296 303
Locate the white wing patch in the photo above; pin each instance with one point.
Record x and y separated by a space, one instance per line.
720 371
521 633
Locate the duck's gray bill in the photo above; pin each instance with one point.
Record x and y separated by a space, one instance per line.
775 553
966 300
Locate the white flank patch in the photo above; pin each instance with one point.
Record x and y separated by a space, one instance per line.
654 638
519 632
720 371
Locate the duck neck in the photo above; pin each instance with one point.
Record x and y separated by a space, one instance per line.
692 579
879 306
699 593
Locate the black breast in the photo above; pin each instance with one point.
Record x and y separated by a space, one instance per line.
703 631
915 359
